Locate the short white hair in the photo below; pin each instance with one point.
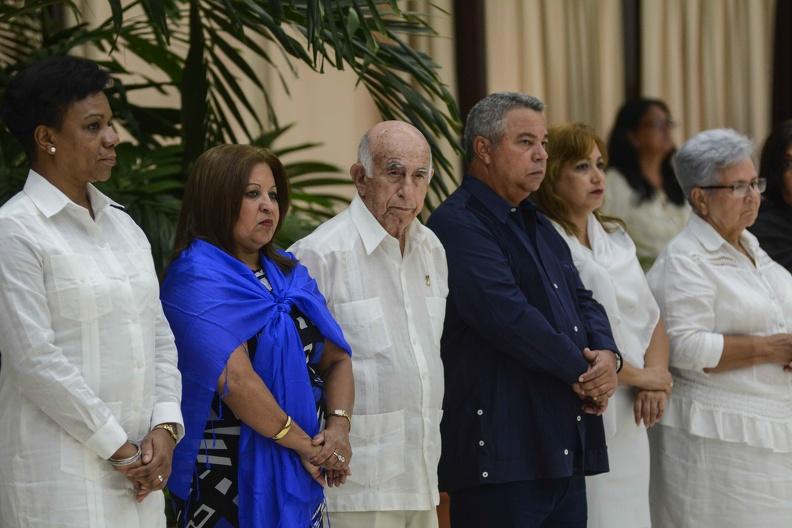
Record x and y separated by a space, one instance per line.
367 161
701 158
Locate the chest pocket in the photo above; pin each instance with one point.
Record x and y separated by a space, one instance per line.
142 278
78 288
364 326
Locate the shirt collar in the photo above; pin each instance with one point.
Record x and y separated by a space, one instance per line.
371 231
712 240
499 207
50 200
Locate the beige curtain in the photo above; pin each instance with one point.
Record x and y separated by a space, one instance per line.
566 52
711 61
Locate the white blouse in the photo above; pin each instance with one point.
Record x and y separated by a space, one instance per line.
88 360
652 223
707 289
391 308
610 269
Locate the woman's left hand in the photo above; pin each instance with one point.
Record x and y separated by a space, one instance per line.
336 451
156 456
649 406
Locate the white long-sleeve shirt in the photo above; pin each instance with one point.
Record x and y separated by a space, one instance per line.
88 360
707 289
391 309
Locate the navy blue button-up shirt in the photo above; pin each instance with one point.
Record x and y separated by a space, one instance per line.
517 320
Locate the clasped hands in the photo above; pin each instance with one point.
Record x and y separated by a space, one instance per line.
328 459
151 472
599 381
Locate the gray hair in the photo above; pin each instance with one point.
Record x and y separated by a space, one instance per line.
364 155
487 118
698 161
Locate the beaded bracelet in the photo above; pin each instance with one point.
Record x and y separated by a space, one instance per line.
126 461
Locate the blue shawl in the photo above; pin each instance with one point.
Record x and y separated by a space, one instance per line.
214 303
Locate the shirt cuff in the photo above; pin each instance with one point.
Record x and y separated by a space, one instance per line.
168 412
710 353
108 439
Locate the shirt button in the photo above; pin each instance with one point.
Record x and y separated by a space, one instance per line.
566 451
555 285
513 209
479 412
575 328
481 443
579 418
485 474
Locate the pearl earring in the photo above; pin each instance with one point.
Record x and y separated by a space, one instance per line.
51 149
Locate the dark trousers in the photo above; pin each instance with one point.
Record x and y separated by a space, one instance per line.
544 503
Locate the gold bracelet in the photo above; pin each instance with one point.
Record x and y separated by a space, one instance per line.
283 432
341 413
170 428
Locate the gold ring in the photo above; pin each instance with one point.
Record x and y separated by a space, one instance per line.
159 477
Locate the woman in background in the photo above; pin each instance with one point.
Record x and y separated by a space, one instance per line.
642 188
773 227
570 196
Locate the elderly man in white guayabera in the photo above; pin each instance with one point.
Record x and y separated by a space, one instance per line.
385 278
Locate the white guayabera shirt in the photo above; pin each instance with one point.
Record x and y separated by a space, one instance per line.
707 289
88 361
391 309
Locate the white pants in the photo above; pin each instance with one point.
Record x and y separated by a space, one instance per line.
705 483
385 519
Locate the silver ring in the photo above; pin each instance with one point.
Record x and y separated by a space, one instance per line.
341 458
159 477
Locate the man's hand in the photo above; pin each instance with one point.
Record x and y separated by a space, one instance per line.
599 381
157 453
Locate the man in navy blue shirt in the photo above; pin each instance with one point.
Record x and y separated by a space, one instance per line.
529 358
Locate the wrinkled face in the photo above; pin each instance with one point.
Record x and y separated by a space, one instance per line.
581 183
258 215
727 212
653 135
395 192
518 161
788 176
85 143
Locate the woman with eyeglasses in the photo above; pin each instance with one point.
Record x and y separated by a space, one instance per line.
773 227
642 188
722 456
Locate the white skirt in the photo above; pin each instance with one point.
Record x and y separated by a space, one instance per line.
701 482
620 498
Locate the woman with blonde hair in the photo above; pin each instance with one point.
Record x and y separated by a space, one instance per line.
571 195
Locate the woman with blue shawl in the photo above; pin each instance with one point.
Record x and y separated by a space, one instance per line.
260 355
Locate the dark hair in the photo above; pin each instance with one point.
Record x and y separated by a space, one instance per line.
568 144
41 93
772 162
213 198
624 157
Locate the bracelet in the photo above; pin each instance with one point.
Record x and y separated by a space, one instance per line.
341 413
283 432
121 462
170 429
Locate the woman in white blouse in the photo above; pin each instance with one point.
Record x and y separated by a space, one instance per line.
571 195
723 455
89 389
642 189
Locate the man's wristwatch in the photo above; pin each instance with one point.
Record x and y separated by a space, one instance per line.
619 363
343 414
171 429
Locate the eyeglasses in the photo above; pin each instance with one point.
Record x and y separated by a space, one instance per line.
740 189
661 124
